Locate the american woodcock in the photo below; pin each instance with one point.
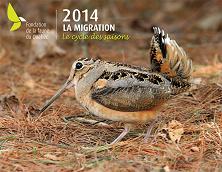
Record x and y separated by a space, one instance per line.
126 93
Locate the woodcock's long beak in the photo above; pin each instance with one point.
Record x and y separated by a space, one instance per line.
66 86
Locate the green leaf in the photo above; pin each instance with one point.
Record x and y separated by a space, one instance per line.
12 16
15 26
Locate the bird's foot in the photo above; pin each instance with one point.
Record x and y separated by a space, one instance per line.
149 130
120 137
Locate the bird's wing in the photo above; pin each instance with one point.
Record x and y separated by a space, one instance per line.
129 93
167 57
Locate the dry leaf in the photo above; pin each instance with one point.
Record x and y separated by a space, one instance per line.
10 102
33 111
161 169
29 82
42 47
196 81
195 149
52 157
175 130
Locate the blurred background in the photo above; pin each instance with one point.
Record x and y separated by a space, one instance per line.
195 24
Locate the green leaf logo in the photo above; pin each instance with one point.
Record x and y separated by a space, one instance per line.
12 16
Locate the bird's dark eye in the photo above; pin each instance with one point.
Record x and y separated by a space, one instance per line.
79 65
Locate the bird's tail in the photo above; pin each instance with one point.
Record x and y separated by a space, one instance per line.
168 58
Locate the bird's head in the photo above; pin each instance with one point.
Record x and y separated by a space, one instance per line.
79 68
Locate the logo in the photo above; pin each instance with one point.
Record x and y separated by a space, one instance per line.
13 17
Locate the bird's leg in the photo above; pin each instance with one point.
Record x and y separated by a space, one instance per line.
149 130
125 131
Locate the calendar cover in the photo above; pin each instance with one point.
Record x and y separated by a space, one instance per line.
110 85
